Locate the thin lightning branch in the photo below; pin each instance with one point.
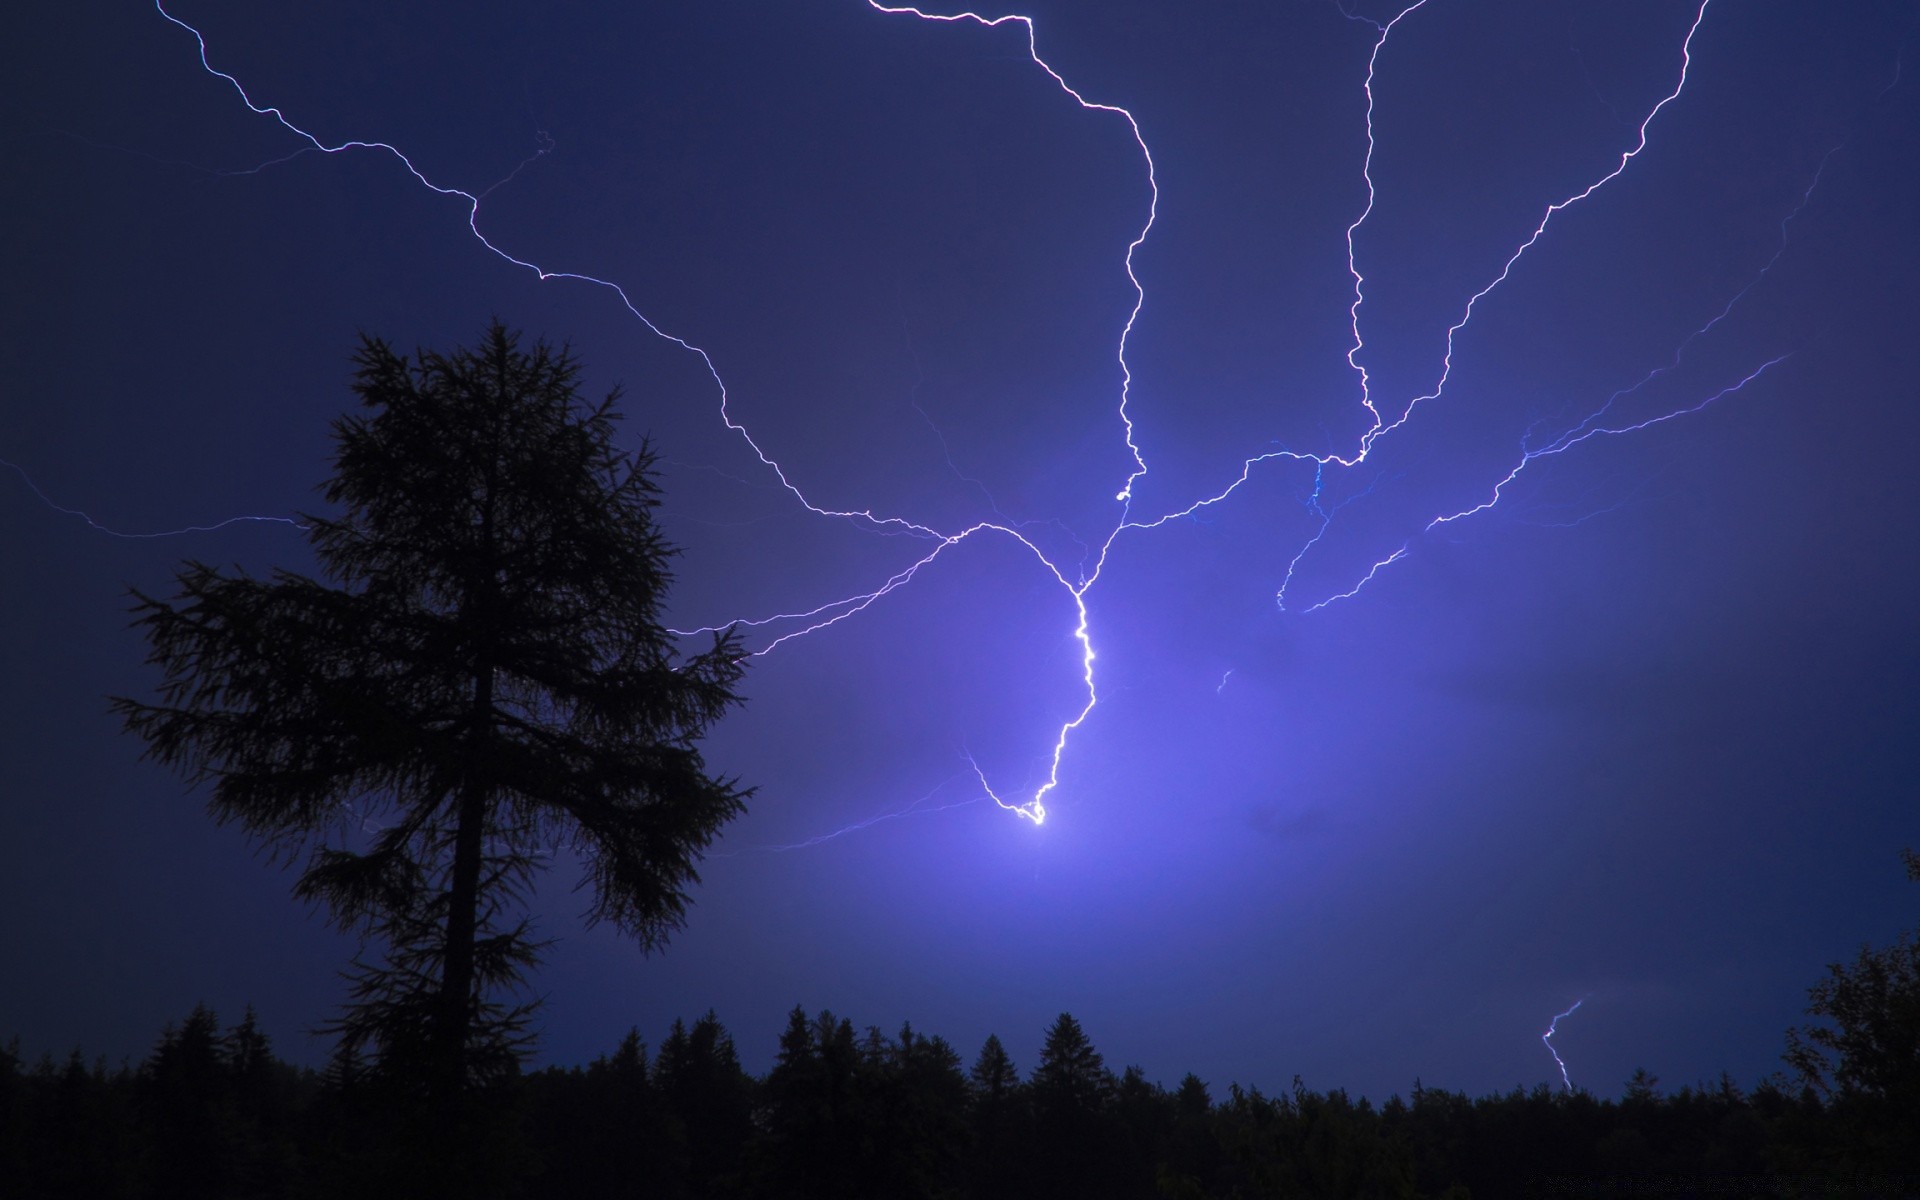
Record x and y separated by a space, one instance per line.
1786 223
1591 426
1125 495
1366 579
1527 459
918 806
1588 512
1640 144
472 203
121 533
1546 1039
1564 445
1353 265
1326 522
221 172
946 452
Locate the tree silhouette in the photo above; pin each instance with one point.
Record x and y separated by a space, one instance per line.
1001 1126
1863 1051
710 1101
875 1117
1071 1074
1077 1145
480 676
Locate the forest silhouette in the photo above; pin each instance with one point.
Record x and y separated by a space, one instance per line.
481 677
859 1114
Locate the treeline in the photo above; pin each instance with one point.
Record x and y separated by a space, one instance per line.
847 1114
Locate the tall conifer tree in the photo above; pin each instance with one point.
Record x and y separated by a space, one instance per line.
479 676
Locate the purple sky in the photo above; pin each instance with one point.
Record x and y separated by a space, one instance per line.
1643 734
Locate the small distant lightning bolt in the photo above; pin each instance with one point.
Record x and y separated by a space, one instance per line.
1546 1039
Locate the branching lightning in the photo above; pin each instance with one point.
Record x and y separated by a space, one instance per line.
1383 419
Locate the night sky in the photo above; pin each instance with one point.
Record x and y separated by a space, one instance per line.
1644 734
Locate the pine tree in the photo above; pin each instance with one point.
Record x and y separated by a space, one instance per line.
189 1100
993 1075
479 676
1071 1073
1002 1130
700 1082
1077 1151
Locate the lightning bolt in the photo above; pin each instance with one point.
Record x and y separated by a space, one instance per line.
893 814
100 527
1383 420
1546 1039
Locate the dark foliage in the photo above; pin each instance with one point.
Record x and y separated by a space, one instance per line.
479 679
876 1117
1862 1052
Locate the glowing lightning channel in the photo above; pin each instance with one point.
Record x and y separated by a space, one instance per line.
1353 264
1546 1039
1125 494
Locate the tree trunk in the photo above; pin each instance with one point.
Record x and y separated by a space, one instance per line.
463 905
463 892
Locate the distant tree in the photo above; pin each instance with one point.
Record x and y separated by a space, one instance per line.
1071 1073
1192 1152
13 1113
76 1135
190 1103
1002 1131
993 1075
806 1109
480 676
260 1086
922 1116
709 1102
595 1131
1643 1088
1862 1053
1077 1150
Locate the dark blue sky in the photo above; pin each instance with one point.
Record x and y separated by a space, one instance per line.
1645 733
